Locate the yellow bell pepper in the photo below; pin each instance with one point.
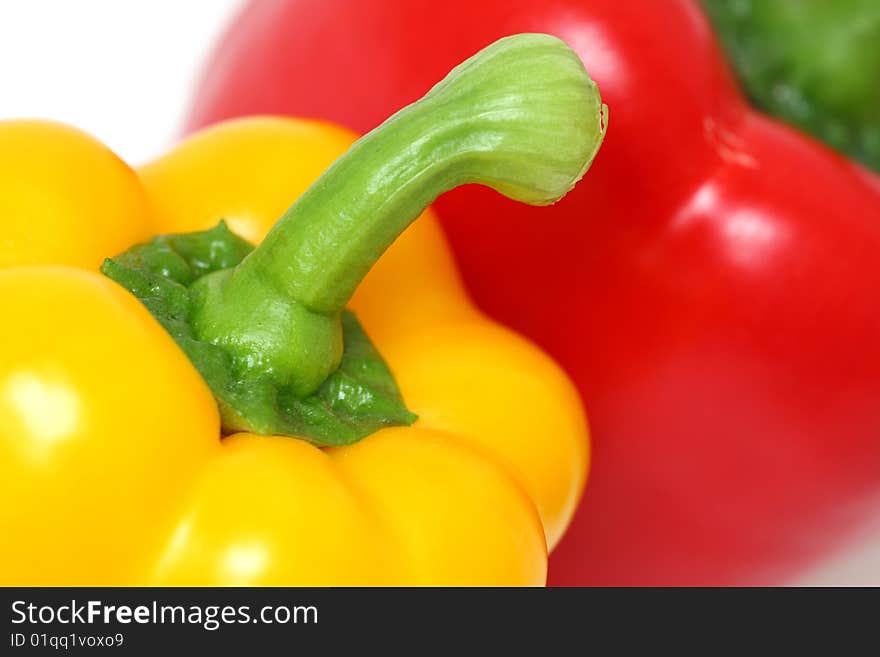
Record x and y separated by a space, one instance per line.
112 466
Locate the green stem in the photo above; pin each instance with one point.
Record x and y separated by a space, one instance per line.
522 116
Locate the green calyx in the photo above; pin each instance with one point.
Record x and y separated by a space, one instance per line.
267 327
359 397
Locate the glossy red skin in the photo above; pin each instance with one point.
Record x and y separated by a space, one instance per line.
711 285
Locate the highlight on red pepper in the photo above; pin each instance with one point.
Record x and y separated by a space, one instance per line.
711 288
323 407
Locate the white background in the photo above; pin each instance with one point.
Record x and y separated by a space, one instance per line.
123 71
119 69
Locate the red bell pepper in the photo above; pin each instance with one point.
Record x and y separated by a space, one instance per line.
712 287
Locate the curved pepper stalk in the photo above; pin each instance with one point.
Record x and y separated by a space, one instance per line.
267 327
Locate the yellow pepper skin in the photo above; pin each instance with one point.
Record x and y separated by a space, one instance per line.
105 487
112 467
96 201
470 380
